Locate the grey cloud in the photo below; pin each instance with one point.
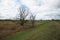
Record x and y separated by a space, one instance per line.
57 5
0 0
53 15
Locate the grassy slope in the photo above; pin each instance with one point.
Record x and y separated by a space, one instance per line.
46 31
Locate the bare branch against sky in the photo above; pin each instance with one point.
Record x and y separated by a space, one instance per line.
41 8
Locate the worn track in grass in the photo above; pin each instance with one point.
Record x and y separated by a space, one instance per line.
48 30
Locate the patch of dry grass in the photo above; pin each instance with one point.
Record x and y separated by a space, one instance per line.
8 28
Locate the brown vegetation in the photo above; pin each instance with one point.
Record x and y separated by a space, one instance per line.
8 28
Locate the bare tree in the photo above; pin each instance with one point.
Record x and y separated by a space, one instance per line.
32 18
23 14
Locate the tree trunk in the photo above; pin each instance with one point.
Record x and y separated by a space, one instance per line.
32 23
22 22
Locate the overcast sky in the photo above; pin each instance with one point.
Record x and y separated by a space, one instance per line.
43 9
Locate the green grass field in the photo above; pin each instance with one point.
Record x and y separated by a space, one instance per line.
48 30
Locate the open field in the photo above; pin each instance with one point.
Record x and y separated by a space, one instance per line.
9 28
43 30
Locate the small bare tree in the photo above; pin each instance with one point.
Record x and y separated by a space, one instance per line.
32 18
23 14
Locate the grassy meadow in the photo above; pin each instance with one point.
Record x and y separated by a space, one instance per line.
43 30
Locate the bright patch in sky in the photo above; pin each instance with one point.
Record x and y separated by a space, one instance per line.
8 9
43 9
